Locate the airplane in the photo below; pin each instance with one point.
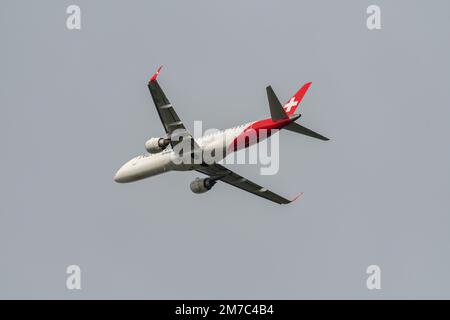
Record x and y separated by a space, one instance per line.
162 151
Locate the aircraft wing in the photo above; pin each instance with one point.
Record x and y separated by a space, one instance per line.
219 172
174 127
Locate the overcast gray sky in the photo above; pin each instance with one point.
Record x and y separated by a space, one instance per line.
75 107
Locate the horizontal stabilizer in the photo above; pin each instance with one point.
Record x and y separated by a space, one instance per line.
276 109
295 127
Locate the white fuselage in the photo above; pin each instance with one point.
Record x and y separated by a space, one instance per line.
152 164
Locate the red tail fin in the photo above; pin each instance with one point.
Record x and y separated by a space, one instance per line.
294 102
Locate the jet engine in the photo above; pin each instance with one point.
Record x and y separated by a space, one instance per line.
155 145
202 185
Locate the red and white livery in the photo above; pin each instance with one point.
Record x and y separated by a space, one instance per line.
178 150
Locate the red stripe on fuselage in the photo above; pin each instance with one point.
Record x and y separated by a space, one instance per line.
259 129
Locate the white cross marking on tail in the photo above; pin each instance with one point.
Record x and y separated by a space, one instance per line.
292 103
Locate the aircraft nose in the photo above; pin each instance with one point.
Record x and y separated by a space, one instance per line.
120 176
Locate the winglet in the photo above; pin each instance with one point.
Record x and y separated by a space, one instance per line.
153 78
298 196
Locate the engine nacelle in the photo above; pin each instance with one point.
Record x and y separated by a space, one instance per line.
155 145
202 185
